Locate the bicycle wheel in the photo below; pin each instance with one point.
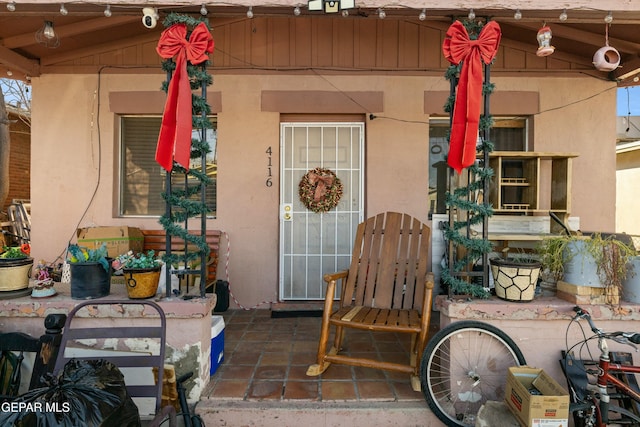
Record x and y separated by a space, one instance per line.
463 366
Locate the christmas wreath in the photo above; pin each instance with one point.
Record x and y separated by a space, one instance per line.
320 190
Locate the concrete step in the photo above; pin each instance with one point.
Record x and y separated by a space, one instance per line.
234 413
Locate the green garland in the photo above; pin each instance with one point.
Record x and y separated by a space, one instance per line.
184 202
459 200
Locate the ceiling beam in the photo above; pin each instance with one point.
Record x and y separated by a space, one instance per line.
70 30
16 62
587 37
628 69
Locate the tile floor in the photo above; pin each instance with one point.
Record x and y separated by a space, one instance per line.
267 359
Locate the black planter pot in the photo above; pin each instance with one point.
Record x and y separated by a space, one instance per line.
90 280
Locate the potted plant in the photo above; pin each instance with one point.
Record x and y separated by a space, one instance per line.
15 267
90 272
595 261
142 274
515 277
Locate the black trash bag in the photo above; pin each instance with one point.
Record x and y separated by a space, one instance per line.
89 393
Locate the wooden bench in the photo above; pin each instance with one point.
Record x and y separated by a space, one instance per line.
156 240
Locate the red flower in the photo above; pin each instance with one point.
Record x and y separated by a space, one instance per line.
26 249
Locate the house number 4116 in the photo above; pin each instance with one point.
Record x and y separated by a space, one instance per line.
269 181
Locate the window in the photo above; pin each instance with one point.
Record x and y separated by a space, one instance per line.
507 134
142 180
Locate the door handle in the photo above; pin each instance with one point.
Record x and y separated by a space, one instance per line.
287 210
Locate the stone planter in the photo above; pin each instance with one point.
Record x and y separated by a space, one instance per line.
15 273
515 280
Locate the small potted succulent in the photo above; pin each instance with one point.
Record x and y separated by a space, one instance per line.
90 271
142 274
15 267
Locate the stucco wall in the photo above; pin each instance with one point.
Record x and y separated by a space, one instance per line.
627 201
73 131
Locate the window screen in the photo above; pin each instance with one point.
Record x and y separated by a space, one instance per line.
142 180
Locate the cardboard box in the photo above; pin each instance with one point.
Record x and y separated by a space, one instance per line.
547 406
119 240
217 343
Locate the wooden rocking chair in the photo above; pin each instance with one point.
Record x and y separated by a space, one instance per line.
387 288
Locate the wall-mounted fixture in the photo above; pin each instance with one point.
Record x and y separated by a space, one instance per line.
331 6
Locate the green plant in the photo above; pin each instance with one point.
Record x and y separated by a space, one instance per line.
16 252
79 254
142 260
610 255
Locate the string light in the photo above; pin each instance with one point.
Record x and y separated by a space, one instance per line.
345 13
11 6
9 73
107 11
381 13
517 15
563 16
297 11
250 12
609 18
423 15
63 10
472 15
203 10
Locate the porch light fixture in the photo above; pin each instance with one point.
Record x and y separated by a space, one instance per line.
297 11
330 6
63 10
563 16
203 10
47 35
517 15
472 15
423 15
107 11
544 41
250 12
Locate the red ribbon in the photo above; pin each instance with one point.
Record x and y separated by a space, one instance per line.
323 183
458 47
174 141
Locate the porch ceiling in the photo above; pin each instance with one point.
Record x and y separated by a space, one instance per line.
85 28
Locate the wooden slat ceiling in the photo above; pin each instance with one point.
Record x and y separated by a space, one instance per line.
85 28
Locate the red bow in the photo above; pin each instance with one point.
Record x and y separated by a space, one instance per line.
458 47
323 183
174 141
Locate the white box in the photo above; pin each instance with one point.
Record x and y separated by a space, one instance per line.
217 343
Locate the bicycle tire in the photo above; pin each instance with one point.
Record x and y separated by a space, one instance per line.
477 368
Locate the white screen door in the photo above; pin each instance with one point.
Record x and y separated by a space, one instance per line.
312 244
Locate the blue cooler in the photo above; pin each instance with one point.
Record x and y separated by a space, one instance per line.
217 343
